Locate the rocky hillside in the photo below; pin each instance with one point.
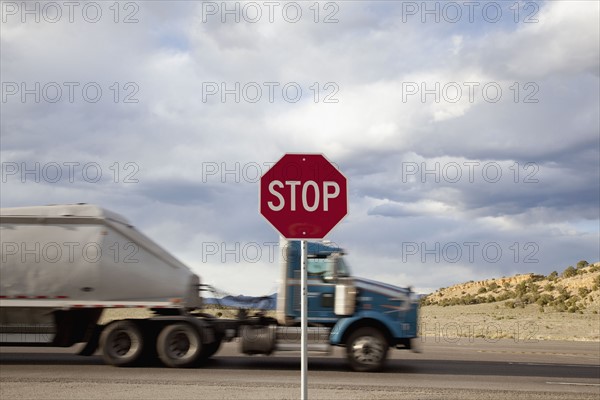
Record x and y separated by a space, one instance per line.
576 289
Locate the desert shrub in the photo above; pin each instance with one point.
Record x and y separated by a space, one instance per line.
534 297
506 285
572 300
534 288
553 276
545 299
519 303
563 291
559 306
528 298
569 272
549 287
583 292
509 304
563 297
582 264
451 302
521 289
481 290
509 294
469 299
490 299
570 303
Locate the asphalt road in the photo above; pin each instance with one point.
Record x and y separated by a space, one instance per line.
465 369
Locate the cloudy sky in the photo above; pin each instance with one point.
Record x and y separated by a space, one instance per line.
469 134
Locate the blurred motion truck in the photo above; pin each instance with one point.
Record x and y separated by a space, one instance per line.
62 265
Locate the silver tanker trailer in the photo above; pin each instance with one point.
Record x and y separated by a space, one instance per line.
62 265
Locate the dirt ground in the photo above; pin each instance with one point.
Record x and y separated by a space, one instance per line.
494 321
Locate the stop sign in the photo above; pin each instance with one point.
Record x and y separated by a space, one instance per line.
303 196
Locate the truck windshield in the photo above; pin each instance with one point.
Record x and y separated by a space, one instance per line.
324 267
318 266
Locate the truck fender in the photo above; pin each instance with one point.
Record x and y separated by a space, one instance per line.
344 327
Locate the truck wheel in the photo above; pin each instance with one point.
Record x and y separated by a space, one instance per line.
122 343
179 345
366 350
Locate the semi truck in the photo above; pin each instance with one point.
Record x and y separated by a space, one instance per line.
63 265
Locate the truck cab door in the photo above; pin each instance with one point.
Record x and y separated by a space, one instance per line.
321 289
331 291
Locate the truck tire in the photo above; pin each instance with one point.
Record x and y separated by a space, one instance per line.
179 346
366 349
122 344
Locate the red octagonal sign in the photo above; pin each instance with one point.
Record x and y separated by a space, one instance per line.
303 196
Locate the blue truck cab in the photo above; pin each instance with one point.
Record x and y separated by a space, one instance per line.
365 316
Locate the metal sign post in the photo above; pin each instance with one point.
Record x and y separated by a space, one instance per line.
303 196
303 322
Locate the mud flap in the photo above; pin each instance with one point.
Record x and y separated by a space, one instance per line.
92 344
